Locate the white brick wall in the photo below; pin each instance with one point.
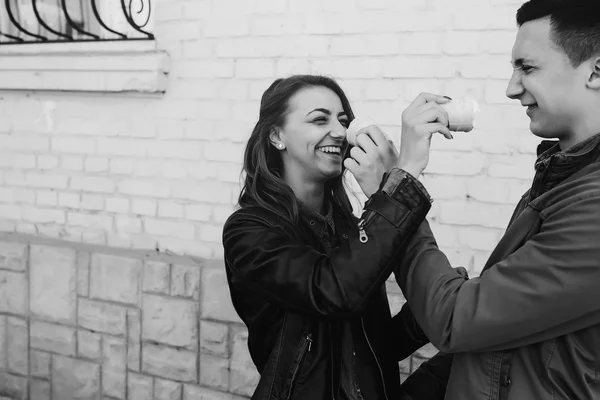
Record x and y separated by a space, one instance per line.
163 171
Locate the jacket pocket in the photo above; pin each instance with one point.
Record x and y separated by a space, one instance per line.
299 363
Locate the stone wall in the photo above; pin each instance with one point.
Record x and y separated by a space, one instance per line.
86 322
81 321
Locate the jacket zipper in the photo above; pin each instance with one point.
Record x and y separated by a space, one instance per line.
362 224
362 322
305 350
362 235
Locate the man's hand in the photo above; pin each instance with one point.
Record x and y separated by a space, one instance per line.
372 156
421 119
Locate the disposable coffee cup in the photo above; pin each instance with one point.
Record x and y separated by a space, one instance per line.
356 125
461 113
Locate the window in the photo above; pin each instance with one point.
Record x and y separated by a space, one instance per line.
80 45
39 21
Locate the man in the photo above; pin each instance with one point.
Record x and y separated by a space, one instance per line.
529 326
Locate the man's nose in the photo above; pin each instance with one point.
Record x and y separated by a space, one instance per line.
515 87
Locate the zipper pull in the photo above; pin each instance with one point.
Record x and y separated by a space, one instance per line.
362 235
309 343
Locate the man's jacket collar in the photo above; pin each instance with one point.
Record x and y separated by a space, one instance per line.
554 165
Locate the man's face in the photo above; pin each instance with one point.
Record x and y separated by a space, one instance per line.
545 82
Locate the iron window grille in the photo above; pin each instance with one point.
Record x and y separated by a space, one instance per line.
52 21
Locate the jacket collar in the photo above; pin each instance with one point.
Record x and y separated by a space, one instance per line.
316 220
548 148
554 165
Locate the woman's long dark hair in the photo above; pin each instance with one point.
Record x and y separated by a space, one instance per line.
264 185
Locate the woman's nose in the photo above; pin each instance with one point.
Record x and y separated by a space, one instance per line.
338 131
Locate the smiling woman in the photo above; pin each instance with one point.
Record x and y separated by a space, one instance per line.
303 275
283 160
313 140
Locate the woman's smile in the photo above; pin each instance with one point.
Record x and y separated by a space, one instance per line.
331 151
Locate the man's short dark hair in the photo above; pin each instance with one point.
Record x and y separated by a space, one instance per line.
575 25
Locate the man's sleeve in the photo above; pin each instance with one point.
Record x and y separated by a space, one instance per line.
545 289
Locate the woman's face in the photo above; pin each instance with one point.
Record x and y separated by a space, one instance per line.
314 135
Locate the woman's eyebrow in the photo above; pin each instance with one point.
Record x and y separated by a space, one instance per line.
326 111
323 110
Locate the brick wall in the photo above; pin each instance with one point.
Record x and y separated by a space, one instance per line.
161 172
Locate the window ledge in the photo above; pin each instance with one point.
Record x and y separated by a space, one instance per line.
110 66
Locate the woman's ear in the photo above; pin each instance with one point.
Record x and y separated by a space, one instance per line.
276 140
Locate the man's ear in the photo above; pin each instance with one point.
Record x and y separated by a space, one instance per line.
276 140
594 78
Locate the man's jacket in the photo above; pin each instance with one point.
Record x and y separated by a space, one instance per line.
529 326
295 297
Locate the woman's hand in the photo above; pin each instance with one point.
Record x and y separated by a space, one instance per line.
421 119
372 156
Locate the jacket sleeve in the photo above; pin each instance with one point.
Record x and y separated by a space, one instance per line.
545 289
267 261
429 381
405 334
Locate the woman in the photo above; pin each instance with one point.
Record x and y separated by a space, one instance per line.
305 275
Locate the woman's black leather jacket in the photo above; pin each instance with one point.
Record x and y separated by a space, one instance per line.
293 297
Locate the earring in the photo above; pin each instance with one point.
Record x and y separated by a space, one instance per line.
281 146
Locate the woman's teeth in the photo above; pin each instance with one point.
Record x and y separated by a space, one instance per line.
330 150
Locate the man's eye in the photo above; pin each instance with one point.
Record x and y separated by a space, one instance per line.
526 69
